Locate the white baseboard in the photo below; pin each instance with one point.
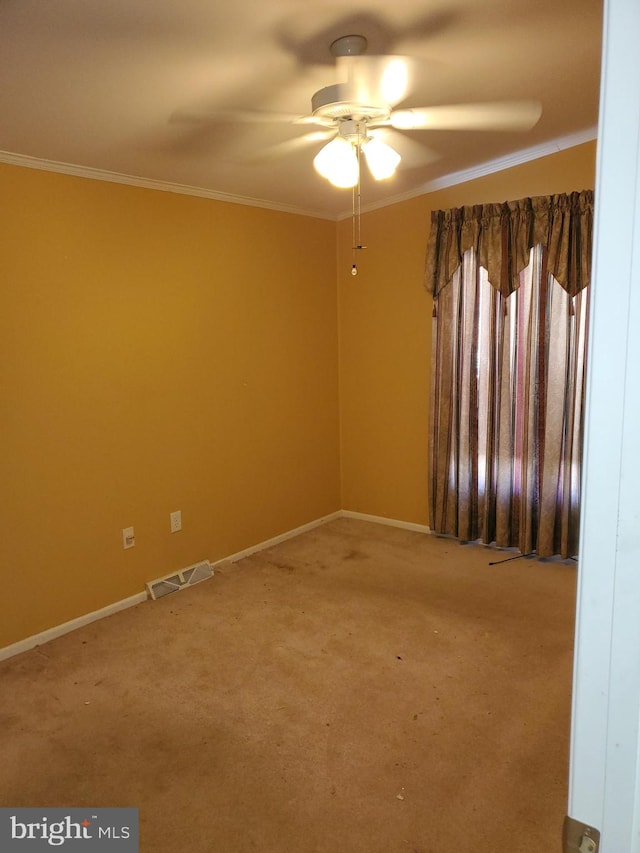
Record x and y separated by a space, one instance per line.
391 522
59 630
275 540
80 622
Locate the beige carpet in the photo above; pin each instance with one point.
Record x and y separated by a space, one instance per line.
358 689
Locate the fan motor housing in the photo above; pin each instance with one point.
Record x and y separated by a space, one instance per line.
338 102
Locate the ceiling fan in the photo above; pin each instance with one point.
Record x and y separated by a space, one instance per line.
358 112
358 117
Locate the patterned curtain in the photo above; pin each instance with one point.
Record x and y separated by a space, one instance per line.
508 371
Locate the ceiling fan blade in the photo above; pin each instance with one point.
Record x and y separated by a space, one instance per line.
376 79
322 121
233 116
506 115
217 117
288 146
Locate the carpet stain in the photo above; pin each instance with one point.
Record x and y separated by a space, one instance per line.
286 567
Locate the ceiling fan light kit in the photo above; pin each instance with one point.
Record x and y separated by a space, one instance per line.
338 160
338 163
381 158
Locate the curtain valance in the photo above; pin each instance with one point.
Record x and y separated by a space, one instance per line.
504 234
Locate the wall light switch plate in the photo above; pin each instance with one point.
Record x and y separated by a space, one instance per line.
176 521
128 537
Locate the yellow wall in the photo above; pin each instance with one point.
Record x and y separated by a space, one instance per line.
162 352
385 333
157 352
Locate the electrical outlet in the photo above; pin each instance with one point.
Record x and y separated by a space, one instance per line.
175 519
128 537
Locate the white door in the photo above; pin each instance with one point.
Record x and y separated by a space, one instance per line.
604 783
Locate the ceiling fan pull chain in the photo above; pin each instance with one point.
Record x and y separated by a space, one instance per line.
356 209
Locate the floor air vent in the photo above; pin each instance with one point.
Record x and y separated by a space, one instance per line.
179 580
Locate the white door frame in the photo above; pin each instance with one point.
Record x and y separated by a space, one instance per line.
604 789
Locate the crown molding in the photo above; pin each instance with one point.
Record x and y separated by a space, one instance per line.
516 158
25 161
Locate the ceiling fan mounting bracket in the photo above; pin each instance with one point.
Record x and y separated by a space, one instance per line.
349 46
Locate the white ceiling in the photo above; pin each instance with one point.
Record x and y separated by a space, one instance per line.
129 86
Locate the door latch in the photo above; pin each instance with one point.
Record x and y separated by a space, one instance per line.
579 837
